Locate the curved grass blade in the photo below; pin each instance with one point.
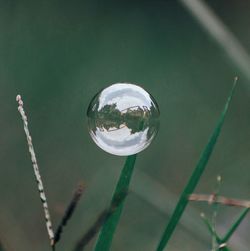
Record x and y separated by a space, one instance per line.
195 177
235 225
107 232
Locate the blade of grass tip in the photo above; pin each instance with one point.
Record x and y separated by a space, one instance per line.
235 225
93 230
195 177
107 232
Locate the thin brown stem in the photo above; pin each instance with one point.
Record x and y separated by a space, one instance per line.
68 212
103 216
219 200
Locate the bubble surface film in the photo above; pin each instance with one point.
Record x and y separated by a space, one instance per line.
123 119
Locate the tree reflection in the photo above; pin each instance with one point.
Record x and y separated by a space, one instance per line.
110 118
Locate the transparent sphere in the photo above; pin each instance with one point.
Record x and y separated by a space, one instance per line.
123 119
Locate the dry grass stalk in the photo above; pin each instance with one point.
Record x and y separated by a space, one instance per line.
36 170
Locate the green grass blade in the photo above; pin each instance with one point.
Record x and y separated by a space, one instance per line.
106 235
235 225
195 177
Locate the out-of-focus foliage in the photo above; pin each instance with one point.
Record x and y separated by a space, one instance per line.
57 55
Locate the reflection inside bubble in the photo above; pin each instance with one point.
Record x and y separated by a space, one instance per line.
123 119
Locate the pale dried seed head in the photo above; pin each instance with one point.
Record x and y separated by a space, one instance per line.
18 97
219 178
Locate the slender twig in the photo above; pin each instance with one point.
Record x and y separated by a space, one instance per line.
219 200
68 212
220 243
217 242
215 207
36 170
210 228
105 214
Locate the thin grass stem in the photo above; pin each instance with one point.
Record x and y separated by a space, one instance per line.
105 215
210 228
215 207
36 171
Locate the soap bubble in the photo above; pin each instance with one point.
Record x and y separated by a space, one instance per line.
123 119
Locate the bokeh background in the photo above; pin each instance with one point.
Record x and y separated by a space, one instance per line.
59 54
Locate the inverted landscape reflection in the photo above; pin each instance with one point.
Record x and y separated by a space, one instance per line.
123 119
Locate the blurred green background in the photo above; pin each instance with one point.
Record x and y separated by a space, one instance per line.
58 55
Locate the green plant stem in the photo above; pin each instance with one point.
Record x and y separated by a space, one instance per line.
235 225
215 213
211 229
106 235
213 232
195 177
